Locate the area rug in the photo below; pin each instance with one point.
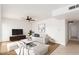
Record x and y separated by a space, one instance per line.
52 47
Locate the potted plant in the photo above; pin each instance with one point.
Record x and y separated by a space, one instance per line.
30 33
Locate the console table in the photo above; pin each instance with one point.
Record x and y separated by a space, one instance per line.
17 37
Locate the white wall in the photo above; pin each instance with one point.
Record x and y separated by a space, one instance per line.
9 24
14 18
0 24
55 28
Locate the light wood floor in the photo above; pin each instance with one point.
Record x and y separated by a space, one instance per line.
72 48
3 49
52 47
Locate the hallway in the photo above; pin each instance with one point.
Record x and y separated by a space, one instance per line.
71 49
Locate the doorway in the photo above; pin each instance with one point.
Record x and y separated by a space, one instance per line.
73 30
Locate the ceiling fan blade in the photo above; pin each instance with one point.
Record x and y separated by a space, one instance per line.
32 20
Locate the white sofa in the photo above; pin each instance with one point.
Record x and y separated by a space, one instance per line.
39 49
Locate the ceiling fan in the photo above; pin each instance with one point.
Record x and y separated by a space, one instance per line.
29 18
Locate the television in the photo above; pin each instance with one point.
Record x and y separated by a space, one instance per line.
17 31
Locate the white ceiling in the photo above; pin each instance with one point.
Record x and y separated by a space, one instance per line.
67 14
36 11
74 15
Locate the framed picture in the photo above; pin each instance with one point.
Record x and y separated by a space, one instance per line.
41 27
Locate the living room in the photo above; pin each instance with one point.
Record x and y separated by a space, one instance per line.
14 17
44 22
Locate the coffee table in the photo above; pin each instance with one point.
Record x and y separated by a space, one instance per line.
28 46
